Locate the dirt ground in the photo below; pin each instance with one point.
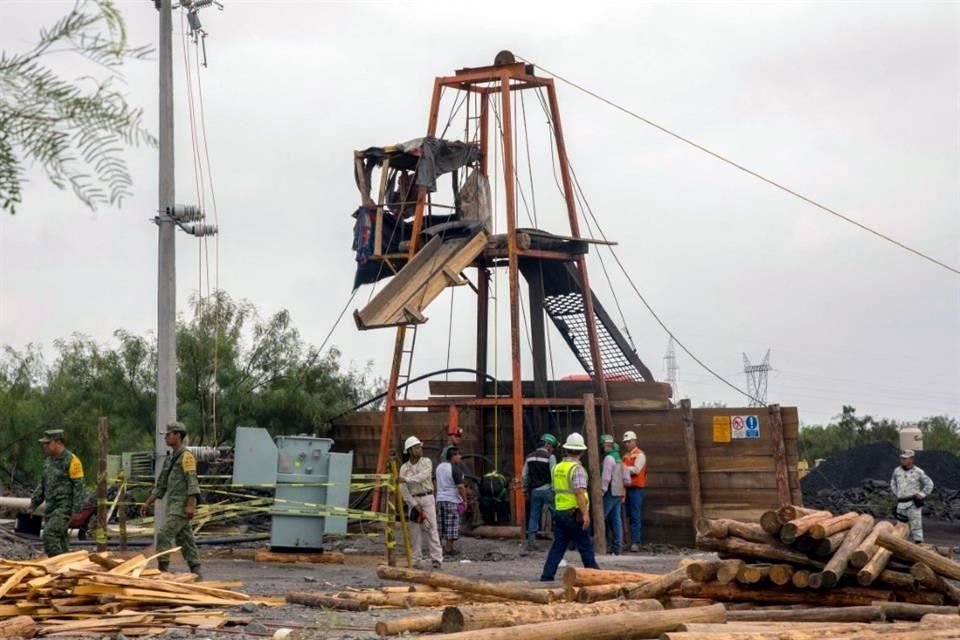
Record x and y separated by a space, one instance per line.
490 560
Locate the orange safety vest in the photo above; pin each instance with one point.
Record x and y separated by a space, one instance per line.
638 481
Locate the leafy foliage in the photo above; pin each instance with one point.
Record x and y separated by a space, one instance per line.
75 130
850 430
265 375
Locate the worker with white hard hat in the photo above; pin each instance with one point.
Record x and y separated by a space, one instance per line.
911 486
571 517
416 487
635 480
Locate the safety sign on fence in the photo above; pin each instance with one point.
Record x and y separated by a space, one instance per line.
744 427
721 429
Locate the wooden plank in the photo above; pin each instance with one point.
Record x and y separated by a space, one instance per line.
129 565
593 479
779 452
162 585
420 281
693 465
616 390
13 581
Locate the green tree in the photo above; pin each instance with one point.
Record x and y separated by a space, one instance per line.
264 375
849 430
74 129
238 368
21 413
941 433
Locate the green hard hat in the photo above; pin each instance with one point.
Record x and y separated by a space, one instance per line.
549 439
53 434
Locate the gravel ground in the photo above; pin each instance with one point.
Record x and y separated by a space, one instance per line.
490 560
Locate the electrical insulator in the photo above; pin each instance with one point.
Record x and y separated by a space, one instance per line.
200 230
185 212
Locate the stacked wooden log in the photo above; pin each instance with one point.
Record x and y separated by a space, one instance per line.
681 604
799 574
474 606
797 556
75 594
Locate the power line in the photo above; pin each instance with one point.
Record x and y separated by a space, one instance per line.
636 290
751 172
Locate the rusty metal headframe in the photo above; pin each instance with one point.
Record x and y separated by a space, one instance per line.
502 79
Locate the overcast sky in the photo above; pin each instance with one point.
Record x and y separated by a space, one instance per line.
854 104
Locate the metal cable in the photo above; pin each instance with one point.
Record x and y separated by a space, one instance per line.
751 172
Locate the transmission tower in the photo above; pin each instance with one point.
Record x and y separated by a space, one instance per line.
757 379
673 371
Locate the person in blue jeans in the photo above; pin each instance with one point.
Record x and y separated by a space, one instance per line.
611 484
536 485
571 517
635 479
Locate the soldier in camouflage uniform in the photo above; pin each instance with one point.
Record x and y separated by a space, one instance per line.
911 486
61 486
178 483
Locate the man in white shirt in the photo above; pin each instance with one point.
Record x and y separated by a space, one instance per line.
416 487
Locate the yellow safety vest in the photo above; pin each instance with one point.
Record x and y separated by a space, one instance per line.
564 497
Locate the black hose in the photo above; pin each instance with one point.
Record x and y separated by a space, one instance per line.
383 395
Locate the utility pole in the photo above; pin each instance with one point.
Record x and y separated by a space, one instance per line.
166 263
169 217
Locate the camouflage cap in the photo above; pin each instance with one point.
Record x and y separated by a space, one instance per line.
53 434
177 427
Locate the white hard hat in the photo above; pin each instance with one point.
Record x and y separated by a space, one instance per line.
575 442
629 435
411 442
906 453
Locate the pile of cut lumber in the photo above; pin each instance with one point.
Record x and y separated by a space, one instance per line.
802 556
80 593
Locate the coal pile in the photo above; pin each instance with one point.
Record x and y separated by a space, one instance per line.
849 469
874 497
858 479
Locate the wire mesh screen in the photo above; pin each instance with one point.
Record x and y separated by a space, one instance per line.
566 311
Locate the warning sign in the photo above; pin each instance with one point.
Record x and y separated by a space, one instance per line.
738 427
721 428
744 427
